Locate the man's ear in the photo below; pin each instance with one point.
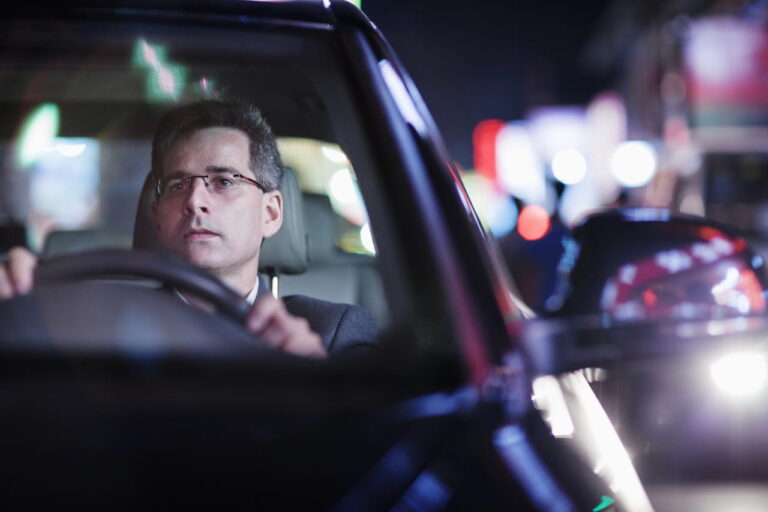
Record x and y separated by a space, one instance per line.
272 213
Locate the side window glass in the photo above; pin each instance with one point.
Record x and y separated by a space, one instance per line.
342 251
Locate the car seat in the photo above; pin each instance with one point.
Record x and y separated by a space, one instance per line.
334 274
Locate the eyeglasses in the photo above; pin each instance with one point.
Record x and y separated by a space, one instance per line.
222 182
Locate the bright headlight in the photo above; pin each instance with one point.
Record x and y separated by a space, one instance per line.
740 374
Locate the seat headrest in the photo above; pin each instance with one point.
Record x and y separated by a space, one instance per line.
283 253
322 228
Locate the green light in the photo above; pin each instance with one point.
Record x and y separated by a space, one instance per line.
165 81
37 133
606 501
148 56
356 2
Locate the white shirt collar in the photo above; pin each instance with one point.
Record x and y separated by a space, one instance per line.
250 298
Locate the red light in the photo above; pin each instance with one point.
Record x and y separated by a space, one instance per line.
533 223
649 298
484 142
749 282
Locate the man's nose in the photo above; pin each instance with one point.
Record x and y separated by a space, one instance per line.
198 197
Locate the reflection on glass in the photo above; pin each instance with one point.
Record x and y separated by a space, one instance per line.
64 186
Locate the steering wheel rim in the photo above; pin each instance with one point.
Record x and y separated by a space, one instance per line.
146 264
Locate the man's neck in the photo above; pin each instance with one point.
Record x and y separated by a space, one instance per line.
249 295
242 280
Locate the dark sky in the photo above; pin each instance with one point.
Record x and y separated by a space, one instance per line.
474 60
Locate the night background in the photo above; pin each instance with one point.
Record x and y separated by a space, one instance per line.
481 60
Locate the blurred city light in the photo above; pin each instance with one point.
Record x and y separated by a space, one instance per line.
520 170
334 154
342 186
726 72
503 214
740 374
484 145
606 127
345 197
556 128
533 222
633 163
576 201
497 211
569 166
723 50
37 134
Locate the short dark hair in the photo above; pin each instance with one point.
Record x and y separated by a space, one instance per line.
183 120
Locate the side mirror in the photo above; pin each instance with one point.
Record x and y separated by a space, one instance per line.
638 284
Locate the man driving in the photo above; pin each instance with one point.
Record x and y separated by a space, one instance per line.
218 174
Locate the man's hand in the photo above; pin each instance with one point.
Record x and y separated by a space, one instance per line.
17 273
279 329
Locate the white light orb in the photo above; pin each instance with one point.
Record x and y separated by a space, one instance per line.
633 163
569 166
740 374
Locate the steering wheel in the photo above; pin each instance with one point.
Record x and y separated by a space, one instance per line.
68 310
152 265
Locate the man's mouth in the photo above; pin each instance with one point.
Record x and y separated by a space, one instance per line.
199 234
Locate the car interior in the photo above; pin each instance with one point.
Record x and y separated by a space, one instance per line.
106 93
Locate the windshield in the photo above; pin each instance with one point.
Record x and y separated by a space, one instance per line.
80 102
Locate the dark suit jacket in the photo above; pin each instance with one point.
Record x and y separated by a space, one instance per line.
342 327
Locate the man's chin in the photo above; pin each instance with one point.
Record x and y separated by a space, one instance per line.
200 257
204 261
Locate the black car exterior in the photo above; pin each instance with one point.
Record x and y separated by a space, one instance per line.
442 420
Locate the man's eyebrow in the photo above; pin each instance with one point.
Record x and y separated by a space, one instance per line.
222 168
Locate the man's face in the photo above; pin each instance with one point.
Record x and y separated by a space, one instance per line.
221 233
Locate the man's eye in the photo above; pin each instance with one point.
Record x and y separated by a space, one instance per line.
175 186
223 182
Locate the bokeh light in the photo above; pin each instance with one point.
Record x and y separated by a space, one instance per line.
569 166
497 210
345 197
484 142
633 163
533 222
334 154
578 200
520 169
740 374
37 133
